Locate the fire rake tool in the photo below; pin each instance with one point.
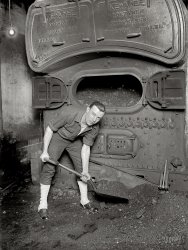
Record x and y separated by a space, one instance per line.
163 184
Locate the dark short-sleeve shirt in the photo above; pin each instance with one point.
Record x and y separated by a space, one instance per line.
68 125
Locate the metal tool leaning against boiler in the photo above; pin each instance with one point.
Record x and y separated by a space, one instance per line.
74 130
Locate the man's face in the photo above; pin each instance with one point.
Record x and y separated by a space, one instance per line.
93 115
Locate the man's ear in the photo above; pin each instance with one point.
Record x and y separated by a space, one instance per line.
88 109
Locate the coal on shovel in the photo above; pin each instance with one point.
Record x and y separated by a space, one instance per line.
94 188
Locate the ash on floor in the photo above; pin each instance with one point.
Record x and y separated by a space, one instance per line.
150 220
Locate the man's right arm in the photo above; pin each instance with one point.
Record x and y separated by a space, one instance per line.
47 138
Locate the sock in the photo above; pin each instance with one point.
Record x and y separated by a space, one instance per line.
83 193
44 190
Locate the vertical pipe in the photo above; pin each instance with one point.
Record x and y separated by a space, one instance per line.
1 113
1 37
186 112
186 95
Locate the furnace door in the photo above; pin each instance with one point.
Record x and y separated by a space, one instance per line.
166 90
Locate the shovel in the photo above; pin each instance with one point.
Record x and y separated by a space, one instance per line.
95 189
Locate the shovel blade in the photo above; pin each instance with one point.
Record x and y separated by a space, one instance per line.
110 190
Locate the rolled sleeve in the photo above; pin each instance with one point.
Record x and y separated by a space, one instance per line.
90 136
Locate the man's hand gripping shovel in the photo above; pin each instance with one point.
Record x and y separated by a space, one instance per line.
84 178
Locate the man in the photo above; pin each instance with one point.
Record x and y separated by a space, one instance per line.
75 130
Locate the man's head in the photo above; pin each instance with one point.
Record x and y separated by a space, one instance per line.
94 113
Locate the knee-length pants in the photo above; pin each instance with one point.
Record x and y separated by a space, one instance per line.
56 148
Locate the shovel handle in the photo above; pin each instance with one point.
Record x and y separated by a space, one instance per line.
56 163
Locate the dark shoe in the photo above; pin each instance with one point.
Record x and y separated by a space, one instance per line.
90 208
43 213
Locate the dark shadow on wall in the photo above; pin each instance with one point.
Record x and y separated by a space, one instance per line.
12 166
21 3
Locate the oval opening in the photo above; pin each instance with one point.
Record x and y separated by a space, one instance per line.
112 91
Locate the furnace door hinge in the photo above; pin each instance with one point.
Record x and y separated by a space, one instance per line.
42 5
144 85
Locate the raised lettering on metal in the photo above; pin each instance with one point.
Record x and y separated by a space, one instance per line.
155 29
120 145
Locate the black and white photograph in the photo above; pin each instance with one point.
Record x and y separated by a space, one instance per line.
94 124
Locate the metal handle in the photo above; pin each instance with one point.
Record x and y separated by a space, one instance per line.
58 43
134 35
56 163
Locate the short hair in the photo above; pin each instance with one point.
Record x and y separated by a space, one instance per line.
99 105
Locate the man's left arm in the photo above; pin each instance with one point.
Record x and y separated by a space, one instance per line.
85 154
88 141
